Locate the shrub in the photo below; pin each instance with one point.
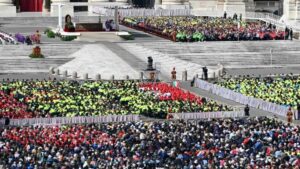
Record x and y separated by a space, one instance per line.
50 34
68 38
36 56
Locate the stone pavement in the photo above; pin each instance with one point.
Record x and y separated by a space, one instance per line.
98 59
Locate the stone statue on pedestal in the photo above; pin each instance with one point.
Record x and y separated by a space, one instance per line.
150 64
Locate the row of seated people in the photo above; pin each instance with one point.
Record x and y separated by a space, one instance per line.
27 99
206 28
247 143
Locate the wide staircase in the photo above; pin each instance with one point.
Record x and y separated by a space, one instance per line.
231 54
15 59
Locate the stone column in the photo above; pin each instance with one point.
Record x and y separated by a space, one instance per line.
291 9
235 6
66 9
122 1
157 4
175 4
205 5
7 8
172 2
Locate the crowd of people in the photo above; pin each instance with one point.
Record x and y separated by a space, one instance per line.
281 90
224 143
72 98
191 28
6 38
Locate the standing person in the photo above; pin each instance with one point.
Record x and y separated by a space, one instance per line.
205 72
247 110
298 111
37 37
173 74
291 33
225 15
289 115
241 17
286 33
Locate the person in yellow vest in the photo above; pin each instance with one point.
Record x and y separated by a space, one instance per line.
290 115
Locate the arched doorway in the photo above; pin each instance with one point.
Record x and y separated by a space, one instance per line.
31 5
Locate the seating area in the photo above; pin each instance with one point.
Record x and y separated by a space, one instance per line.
71 98
223 143
6 38
193 29
280 90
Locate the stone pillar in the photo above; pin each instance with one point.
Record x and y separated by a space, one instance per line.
175 4
122 2
291 9
235 6
250 6
157 4
205 5
7 9
66 9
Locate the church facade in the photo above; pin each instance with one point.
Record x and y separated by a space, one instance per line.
289 8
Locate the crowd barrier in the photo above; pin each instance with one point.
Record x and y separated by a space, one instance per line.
240 98
208 115
141 12
73 120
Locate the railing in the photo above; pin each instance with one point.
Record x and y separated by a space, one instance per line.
142 12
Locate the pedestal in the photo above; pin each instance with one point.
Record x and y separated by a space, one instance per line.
7 10
67 9
152 75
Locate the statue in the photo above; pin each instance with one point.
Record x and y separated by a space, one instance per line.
150 63
69 26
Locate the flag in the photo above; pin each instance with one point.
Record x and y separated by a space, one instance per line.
175 83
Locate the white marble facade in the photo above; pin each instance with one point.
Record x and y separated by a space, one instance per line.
291 7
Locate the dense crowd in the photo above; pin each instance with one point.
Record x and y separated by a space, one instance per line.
72 98
205 28
284 91
224 143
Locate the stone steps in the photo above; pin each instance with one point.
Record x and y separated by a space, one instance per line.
245 54
167 63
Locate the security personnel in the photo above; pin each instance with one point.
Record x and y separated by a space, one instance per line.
247 110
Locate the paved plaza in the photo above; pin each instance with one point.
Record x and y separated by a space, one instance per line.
108 55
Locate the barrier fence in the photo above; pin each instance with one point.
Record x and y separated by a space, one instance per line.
73 120
208 115
240 98
142 12
114 118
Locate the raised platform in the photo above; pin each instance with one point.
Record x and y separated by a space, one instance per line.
8 11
